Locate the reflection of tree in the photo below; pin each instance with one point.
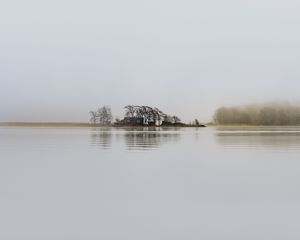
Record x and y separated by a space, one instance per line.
102 138
263 139
147 140
139 138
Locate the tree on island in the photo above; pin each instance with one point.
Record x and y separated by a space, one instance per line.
102 116
136 115
149 113
130 110
176 119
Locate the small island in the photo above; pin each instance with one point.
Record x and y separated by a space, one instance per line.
136 115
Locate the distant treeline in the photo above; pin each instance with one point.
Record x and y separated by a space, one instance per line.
259 114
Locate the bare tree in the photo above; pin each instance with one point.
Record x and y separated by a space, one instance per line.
93 118
105 115
151 115
102 116
130 110
160 115
176 119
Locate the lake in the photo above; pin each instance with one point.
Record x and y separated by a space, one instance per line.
143 184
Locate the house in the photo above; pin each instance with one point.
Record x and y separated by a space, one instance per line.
155 122
139 121
134 121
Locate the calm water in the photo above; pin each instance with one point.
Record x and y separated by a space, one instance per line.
191 184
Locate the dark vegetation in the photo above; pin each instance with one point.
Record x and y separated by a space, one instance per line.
138 116
259 114
102 116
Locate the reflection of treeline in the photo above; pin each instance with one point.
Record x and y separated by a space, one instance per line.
146 140
260 114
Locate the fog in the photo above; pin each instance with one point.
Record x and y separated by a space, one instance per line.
60 59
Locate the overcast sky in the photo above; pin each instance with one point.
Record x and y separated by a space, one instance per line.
59 59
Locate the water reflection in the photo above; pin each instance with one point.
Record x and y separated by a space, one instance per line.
260 137
101 137
183 190
134 138
147 140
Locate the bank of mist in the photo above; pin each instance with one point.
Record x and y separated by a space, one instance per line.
259 114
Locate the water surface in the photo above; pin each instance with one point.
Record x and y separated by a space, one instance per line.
103 183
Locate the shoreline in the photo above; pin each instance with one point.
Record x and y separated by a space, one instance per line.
85 124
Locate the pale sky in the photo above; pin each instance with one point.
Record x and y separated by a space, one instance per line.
59 59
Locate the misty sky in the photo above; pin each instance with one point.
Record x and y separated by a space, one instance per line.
59 59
